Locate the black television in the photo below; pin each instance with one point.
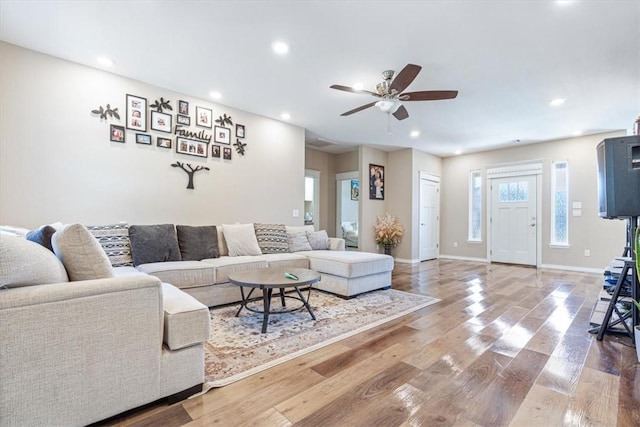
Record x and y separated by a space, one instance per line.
619 177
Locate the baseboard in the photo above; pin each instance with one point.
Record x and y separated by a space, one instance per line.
406 261
464 258
573 268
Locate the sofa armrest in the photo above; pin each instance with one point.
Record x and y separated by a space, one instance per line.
336 244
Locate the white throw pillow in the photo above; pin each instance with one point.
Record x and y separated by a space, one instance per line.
319 240
241 239
81 253
25 263
298 241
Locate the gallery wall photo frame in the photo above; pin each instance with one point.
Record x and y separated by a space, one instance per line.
116 133
163 142
143 138
161 121
240 131
183 108
215 151
376 182
204 117
136 113
222 135
227 153
183 120
191 147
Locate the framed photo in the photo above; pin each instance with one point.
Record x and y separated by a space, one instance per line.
204 117
183 120
163 142
376 182
143 138
117 133
191 147
161 121
215 151
222 135
227 153
183 108
136 113
355 189
240 131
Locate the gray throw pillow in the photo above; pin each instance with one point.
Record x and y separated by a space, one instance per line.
298 241
153 243
42 236
198 243
319 240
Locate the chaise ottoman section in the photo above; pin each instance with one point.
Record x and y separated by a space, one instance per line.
350 273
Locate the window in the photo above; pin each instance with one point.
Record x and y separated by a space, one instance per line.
475 206
559 205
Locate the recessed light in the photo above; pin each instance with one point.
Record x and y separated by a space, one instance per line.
285 116
415 133
576 133
104 61
280 47
557 102
215 95
358 86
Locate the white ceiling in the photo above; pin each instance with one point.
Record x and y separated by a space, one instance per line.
507 59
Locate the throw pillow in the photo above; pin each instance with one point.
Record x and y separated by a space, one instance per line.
319 240
42 236
25 263
272 238
81 253
114 239
241 239
298 241
153 243
198 243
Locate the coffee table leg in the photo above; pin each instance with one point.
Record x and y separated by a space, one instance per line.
306 303
243 303
266 297
284 304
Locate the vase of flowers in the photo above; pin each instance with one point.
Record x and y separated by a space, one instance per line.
388 232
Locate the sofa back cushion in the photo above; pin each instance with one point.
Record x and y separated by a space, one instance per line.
114 239
25 263
154 243
81 253
198 243
272 238
241 239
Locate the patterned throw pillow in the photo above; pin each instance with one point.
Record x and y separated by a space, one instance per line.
115 242
272 238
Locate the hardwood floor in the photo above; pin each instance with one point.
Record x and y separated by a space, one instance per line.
506 346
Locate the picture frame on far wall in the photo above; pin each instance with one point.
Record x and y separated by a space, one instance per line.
215 151
191 147
161 122
239 131
117 133
163 142
204 117
227 153
376 182
183 120
183 108
222 135
143 138
136 113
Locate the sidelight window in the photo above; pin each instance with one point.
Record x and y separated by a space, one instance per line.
559 204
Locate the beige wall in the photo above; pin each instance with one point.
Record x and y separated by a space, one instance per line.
325 164
603 238
57 163
370 209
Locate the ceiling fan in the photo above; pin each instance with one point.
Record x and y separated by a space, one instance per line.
391 96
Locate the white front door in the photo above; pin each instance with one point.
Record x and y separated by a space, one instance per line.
513 220
429 218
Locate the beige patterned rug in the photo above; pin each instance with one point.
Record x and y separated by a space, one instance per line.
237 349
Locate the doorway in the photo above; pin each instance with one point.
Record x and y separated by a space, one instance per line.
348 208
429 216
311 198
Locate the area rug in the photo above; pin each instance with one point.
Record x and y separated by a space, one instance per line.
237 349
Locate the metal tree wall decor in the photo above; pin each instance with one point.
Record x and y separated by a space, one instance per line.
191 171
161 105
104 112
224 120
240 146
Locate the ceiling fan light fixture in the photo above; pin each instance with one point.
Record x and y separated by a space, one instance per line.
388 105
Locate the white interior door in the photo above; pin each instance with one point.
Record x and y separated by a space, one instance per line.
513 220
429 218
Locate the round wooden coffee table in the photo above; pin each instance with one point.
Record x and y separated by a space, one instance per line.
269 279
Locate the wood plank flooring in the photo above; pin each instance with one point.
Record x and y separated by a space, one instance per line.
506 346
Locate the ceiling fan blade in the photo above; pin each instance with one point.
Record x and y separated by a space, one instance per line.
405 77
429 95
352 90
401 113
355 110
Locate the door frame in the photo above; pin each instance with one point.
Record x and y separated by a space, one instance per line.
315 175
529 167
433 178
345 176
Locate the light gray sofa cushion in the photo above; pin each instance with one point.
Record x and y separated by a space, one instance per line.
183 274
25 263
197 243
298 241
153 243
186 320
81 253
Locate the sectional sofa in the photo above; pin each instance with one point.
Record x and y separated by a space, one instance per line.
98 320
